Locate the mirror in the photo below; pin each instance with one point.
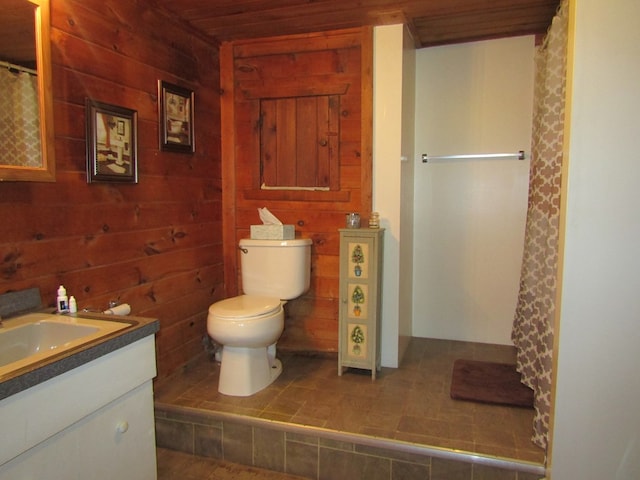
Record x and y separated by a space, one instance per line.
27 152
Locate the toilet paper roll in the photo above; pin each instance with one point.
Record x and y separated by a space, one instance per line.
122 309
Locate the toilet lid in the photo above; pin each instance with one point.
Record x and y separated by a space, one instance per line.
245 306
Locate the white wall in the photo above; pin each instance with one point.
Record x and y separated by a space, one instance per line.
405 326
387 122
469 215
596 428
393 180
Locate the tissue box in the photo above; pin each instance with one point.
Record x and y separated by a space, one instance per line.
273 232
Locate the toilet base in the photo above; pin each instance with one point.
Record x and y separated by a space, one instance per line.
245 371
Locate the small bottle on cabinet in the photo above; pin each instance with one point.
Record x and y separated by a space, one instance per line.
374 220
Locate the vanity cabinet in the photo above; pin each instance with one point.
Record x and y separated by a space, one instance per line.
95 421
360 298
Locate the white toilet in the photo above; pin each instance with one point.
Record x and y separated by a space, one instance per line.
248 326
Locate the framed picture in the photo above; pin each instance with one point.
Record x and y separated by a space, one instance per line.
176 118
111 143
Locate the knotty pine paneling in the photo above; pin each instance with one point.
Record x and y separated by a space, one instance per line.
158 244
293 66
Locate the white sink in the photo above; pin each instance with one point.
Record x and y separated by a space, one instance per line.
33 337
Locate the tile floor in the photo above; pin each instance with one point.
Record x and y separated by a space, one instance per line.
411 403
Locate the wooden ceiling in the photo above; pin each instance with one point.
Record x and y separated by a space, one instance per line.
432 22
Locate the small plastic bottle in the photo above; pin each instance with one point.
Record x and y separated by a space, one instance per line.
73 306
63 301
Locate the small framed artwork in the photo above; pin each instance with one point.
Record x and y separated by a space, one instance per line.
176 118
111 143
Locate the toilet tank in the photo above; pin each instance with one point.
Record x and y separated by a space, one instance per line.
275 268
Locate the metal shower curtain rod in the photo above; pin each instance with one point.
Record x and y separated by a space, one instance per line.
517 155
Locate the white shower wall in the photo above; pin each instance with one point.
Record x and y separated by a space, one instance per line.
469 215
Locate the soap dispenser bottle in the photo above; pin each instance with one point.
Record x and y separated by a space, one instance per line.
63 301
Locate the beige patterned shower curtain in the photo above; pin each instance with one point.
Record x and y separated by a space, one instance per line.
19 119
533 323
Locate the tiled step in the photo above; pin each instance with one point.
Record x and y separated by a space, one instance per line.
174 465
318 453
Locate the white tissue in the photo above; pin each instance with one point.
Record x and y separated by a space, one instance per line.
122 309
267 217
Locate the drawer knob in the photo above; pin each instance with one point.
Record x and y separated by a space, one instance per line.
122 426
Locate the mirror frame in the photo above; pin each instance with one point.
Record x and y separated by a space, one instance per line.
47 172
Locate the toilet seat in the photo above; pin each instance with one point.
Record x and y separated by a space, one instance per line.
245 306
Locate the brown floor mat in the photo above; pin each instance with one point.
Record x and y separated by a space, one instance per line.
489 382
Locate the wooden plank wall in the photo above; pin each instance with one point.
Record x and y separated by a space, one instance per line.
156 245
315 64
